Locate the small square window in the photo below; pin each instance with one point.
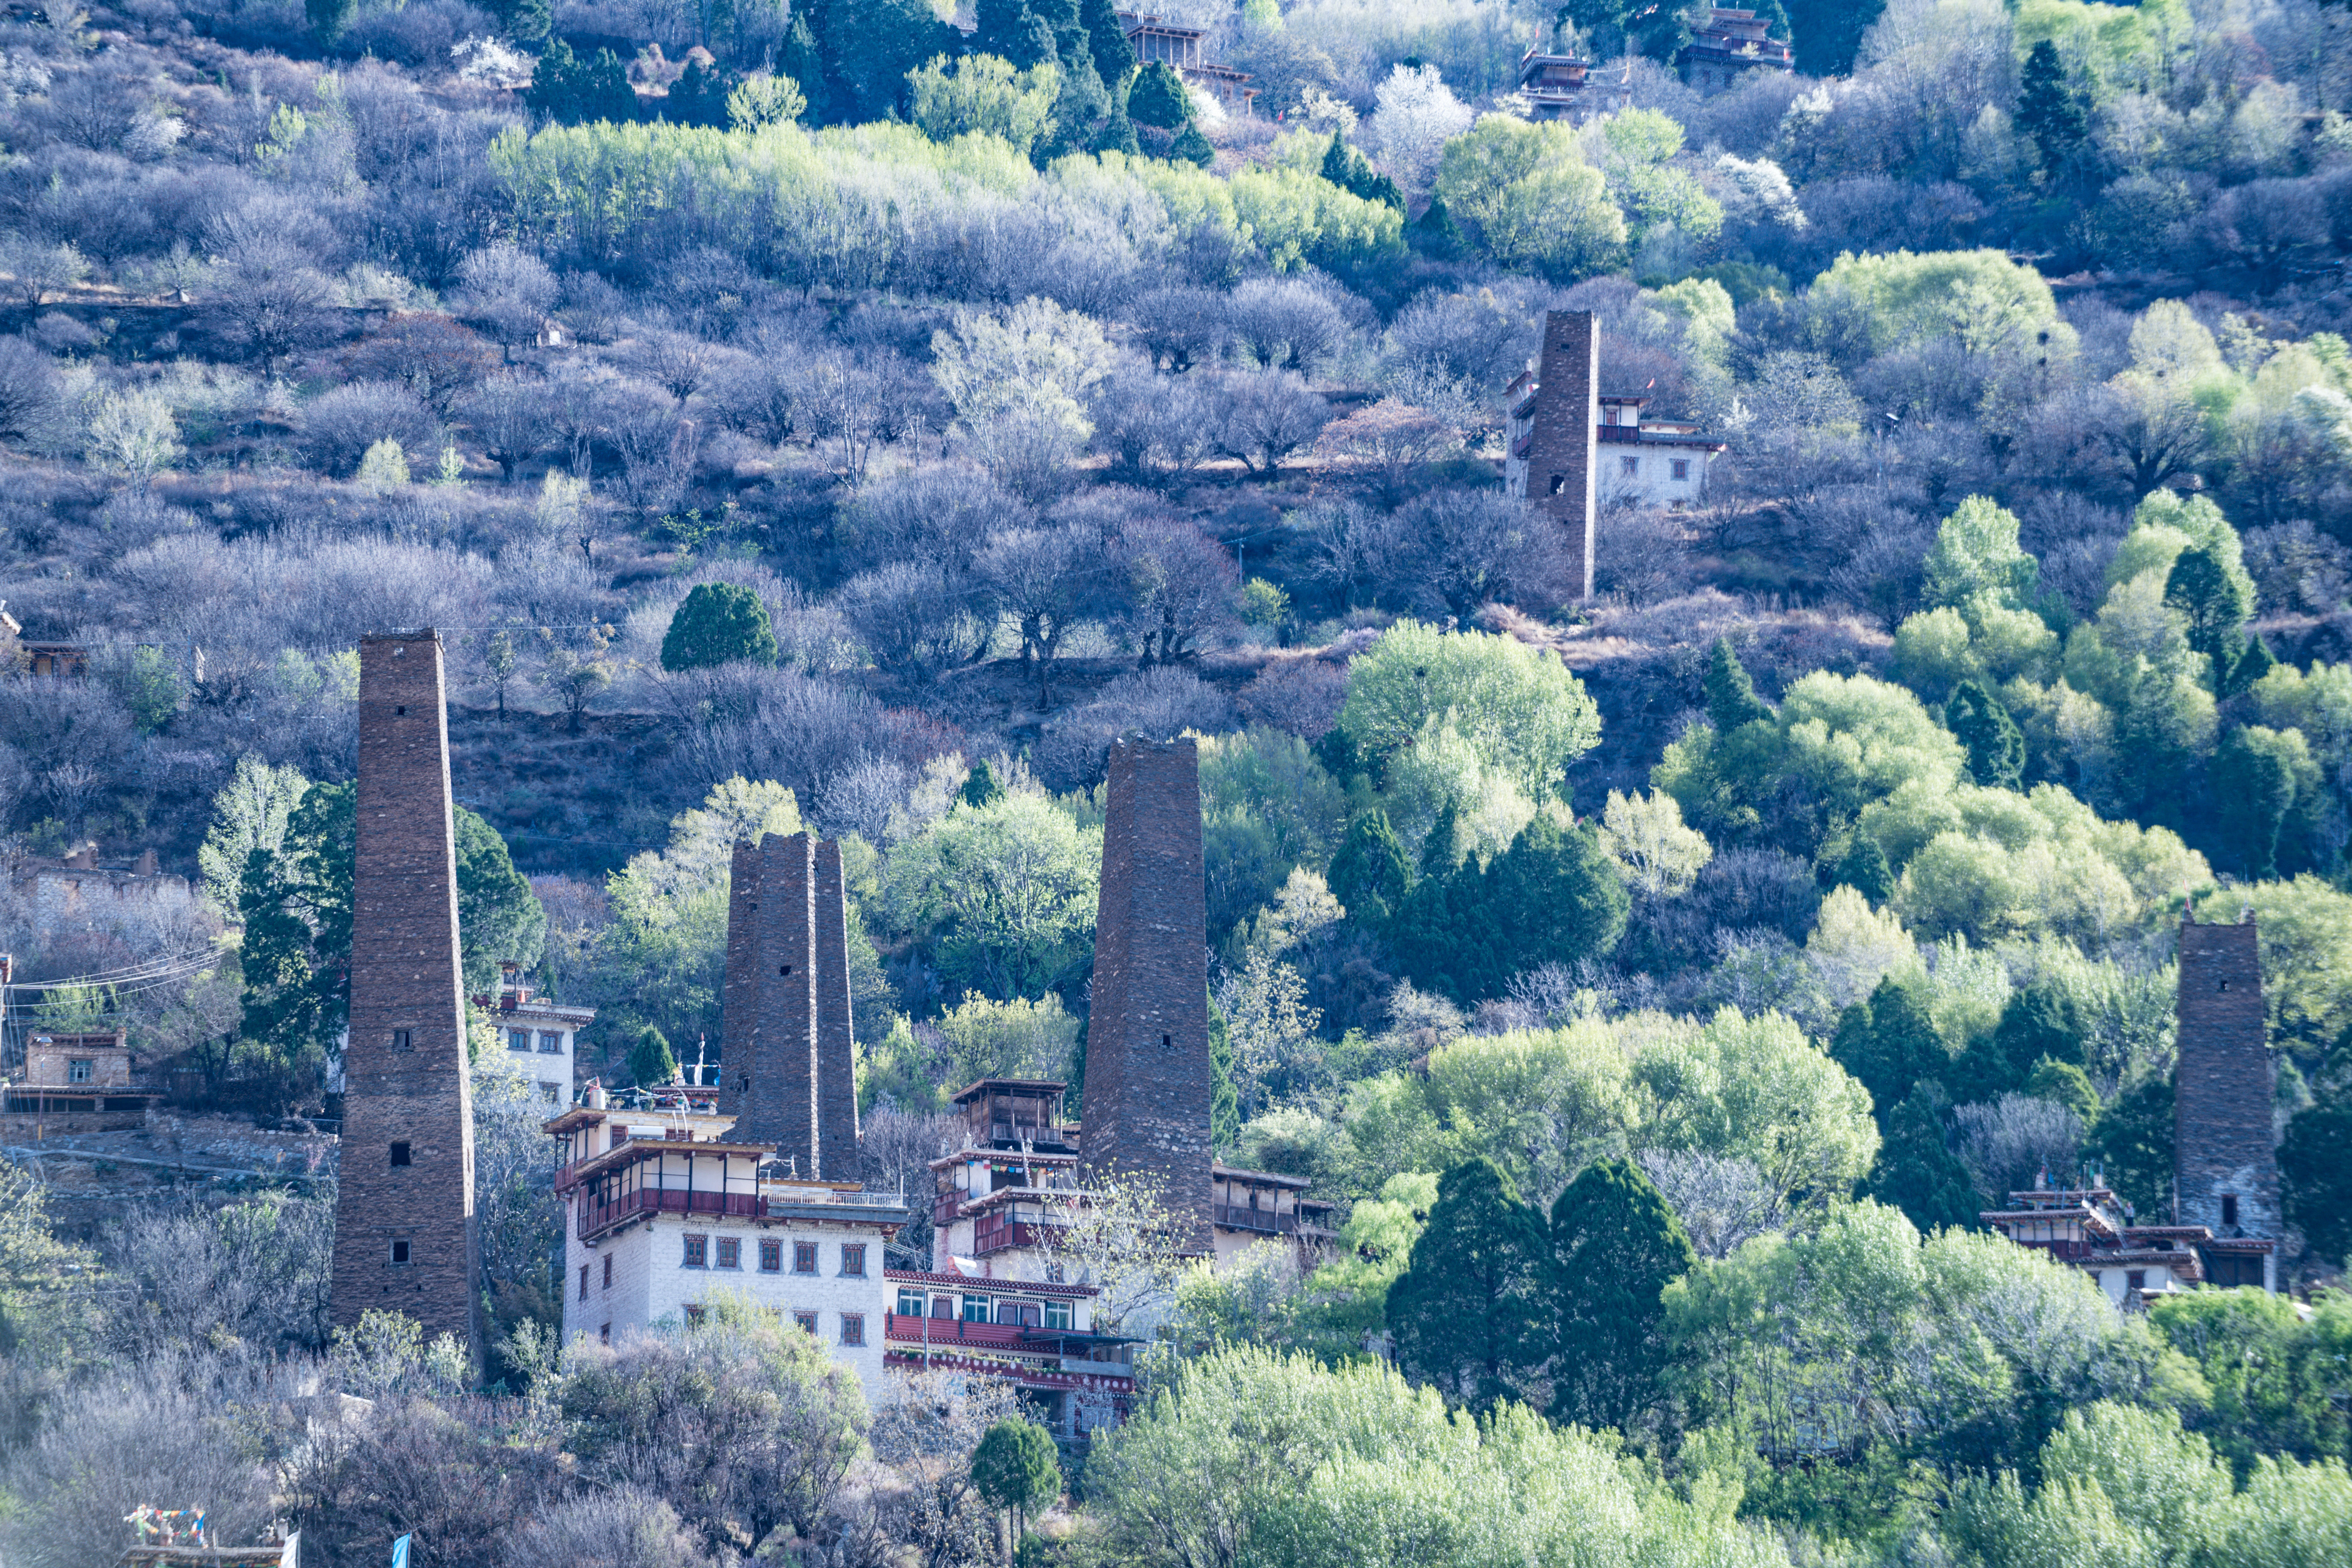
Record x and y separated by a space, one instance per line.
853 1260
1630 467
975 1308
80 1070
583 1282
1682 467
804 1257
400 1154
1057 1314
551 1092
1558 483
2135 1279
695 1314
730 1252
698 1253
772 1257
400 1041
608 1271
911 1302
517 1039
806 1321
400 1252
551 1043
853 1328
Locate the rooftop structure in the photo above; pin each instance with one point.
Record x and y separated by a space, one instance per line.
542 1037
1732 44
2089 1227
1561 87
86 1070
405 1239
1252 1206
1570 446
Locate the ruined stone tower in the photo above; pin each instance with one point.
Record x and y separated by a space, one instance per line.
1148 1088
405 1239
2225 1156
1561 467
789 1079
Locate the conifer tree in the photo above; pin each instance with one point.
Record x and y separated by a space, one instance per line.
2133 1140
1191 147
1370 875
1889 1043
1731 699
1865 870
1996 747
1435 233
1917 1171
700 95
650 1060
719 623
1465 1313
2049 112
1615 1248
2316 1170
1106 40
801 61
1158 98
2253 792
1224 1099
1554 896
980 785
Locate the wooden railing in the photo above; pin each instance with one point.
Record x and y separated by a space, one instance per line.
596 1218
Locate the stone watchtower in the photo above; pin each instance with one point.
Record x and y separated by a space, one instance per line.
789 1075
1561 461
405 1239
1148 1090
2225 1155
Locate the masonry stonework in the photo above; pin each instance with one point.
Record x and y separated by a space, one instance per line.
2225 1152
405 1236
1561 467
1148 1073
837 1049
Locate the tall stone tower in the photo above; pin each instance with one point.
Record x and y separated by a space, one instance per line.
789 1077
405 1239
1562 463
2225 1156
1148 1090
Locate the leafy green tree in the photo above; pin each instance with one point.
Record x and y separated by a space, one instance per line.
2254 792
868 47
2041 1022
1518 706
2134 1141
2050 113
296 903
2063 1083
650 1059
1370 875
1465 1313
2315 1162
2277 1385
1731 700
1889 1043
1977 554
1015 1469
1996 746
251 812
1158 98
1916 1171
1001 895
1615 1248
719 623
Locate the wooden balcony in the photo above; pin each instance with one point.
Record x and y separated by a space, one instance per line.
596 1218
1239 1217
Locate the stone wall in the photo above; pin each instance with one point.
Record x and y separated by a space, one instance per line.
407 1150
836 1048
1561 457
788 1055
1147 1086
2225 1145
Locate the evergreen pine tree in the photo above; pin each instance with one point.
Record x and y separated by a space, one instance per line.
2316 1172
2248 662
698 96
1370 873
1889 1043
801 60
1828 33
328 18
650 1061
1554 896
2133 1140
1106 40
868 47
1995 745
2063 1083
1465 1313
1865 868
980 785
1436 234
1117 134
1224 1099
2049 112
719 623
2253 792
1731 700
1615 1246
2214 600
1158 98
526 21
1346 167
1916 1171
1191 147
